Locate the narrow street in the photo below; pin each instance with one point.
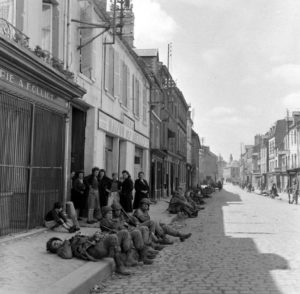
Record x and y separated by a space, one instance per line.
242 243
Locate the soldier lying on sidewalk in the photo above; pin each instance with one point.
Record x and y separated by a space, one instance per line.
129 240
60 221
161 230
89 248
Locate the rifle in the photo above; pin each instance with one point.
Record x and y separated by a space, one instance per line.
128 217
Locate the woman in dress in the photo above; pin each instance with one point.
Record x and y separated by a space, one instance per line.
126 192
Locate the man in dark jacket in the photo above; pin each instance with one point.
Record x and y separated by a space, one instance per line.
104 187
141 190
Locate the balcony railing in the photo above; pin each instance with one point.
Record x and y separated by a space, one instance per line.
12 33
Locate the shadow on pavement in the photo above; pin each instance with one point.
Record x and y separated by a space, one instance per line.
234 263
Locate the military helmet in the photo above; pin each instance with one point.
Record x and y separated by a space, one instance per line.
116 206
106 210
145 201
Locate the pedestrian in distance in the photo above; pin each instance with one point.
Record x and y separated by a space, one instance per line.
126 192
141 187
295 192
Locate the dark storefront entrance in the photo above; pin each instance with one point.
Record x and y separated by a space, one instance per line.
78 139
31 162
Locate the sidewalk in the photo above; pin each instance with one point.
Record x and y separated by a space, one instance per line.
27 268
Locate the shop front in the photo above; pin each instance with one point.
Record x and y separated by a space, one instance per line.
34 137
124 147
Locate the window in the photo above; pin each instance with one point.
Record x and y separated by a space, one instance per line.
86 61
124 83
8 10
109 69
47 27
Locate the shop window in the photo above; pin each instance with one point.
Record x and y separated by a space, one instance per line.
47 16
8 10
137 160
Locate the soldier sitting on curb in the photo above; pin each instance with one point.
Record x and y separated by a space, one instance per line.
58 221
134 237
129 222
88 248
179 203
161 229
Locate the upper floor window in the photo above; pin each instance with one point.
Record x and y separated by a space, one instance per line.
47 26
8 10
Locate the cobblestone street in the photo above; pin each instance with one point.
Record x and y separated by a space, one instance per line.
242 243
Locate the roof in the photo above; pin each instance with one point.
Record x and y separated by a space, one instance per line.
146 52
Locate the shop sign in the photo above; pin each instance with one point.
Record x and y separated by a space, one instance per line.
114 127
26 85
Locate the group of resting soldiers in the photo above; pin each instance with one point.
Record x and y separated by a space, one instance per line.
127 238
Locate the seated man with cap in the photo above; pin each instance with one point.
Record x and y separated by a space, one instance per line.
90 248
161 229
124 221
127 239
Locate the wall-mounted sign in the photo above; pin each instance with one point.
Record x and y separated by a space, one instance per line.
26 85
116 128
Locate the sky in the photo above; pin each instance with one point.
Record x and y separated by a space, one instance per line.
237 62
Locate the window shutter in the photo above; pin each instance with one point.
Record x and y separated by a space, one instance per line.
111 70
128 85
137 97
133 94
122 64
116 75
106 70
144 104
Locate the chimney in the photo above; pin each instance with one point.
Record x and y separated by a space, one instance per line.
128 26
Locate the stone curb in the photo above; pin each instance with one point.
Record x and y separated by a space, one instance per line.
81 280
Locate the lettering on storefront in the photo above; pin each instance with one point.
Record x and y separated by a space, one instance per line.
25 84
114 127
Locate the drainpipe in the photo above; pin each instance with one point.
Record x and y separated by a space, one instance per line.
66 154
67 33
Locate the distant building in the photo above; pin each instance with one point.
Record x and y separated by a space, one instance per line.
208 167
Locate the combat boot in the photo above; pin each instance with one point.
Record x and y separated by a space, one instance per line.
158 247
144 256
166 241
120 268
130 261
182 237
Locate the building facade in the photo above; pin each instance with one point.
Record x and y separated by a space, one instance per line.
35 111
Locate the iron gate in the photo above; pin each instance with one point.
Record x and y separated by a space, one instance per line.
31 163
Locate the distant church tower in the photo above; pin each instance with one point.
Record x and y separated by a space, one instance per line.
230 158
